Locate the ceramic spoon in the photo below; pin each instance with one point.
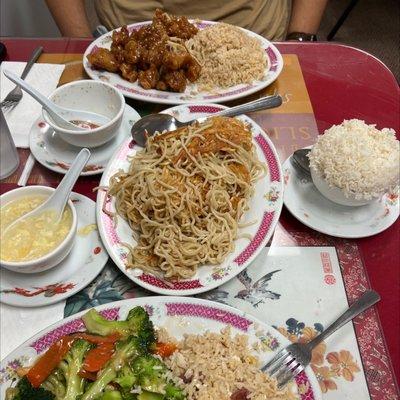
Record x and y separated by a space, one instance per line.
57 201
60 115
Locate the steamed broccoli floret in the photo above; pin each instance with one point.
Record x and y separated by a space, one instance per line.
65 382
125 350
173 392
25 391
137 323
112 395
56 384
150 396
125 378
151 374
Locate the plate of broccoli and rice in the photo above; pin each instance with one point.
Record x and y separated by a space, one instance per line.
154 348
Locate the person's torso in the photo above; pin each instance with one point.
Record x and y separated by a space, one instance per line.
268 18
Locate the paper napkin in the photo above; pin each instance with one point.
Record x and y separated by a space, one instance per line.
19 324
44 78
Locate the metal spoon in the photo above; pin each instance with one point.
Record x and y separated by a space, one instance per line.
301 161
152 123
60 196
61 115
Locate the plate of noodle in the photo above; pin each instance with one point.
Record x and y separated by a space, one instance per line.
195 207
193 350
173 60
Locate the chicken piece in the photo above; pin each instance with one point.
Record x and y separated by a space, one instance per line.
161 85
128 72
148 79
131 52
120 37
192 70
175 61
118 52
176 80
230 129
103 59
178 27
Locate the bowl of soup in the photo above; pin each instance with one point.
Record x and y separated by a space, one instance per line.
37 243
94 96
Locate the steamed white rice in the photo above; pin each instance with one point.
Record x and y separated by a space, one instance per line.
358 158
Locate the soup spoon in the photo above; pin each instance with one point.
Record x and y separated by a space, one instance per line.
152 123
62 116
59 198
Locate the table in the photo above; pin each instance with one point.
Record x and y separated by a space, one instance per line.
342 82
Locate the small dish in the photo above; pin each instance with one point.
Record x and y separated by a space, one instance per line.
85 261
309 206
57 155
99 97
53 258
336 194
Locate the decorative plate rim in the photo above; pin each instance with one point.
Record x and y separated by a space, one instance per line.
135 92
222 311
321 229
95 268
266 227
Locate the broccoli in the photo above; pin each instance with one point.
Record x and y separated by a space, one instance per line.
125 350
25 391
150 396
65 382
125 378
151 374
112 395
137 323
56 384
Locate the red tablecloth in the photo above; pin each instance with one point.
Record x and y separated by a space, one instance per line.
343 83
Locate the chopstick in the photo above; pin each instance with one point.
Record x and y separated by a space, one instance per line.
26 172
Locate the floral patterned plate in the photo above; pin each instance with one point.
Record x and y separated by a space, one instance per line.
311 208
179 315
191 94
264 210
85 261
54 153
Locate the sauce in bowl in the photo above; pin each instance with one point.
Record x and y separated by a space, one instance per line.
35 236
84 124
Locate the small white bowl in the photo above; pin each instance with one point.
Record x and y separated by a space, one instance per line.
55 256
336 194
88 95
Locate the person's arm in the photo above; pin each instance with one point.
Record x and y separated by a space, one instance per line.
306 16
70 17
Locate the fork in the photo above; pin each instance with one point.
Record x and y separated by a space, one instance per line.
292 360
15 96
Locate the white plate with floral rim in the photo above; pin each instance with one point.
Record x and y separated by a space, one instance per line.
85 261
179 315
314 210
57 155
191 94
264 209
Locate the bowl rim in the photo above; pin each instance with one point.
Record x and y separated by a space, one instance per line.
89 131
67 239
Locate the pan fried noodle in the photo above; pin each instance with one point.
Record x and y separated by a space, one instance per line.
184 194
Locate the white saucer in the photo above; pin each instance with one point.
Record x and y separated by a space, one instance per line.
82 265
311 208
55 154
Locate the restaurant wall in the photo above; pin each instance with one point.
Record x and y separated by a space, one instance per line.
26 18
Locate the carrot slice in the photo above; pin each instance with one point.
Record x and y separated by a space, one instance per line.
165 349
48 361
97 357
45 365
